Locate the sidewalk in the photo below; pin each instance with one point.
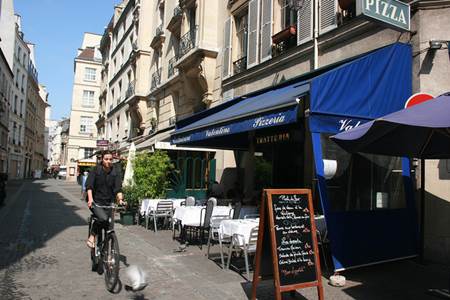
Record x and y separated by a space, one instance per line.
395 280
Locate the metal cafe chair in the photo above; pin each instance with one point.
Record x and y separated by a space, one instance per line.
164 209
238 243
214 234
205 218
236 211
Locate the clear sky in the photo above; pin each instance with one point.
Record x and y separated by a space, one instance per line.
56 27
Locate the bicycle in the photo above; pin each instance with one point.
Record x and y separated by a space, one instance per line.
105 256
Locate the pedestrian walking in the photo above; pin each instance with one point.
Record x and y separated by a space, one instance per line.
83 185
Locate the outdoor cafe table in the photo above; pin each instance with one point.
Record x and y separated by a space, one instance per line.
190 215
242 227
151 204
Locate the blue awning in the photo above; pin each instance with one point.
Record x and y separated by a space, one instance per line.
364 89
273 108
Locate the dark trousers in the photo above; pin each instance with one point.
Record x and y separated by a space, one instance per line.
103 215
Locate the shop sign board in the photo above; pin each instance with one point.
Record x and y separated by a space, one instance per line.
394 13
287 243
102 143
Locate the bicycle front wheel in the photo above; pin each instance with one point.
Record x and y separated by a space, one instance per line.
111 259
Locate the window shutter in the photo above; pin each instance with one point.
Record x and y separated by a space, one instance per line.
227 48
266 30
253 25
327 15
305 22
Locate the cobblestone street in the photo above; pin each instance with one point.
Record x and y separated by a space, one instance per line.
44 256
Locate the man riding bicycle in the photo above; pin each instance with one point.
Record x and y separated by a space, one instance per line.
104 185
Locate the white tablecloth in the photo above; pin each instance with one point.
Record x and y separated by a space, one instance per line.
151 204
238 226
190 215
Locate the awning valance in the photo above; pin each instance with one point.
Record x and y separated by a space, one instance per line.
273 108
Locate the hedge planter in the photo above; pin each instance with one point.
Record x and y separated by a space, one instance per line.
127 217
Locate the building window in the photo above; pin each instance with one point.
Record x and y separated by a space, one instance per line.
86 124
88 152
90 74
288 15
88 98
241 32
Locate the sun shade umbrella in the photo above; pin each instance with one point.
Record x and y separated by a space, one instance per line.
421 131
129 172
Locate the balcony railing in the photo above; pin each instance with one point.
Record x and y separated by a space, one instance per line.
156 78
188 41
171 68
130 89
172 120
240 65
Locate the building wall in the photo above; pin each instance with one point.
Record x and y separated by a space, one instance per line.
431 72
7 30
6 83
126 59
16 147
81 137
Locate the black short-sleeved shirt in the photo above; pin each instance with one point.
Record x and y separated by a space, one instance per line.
104 185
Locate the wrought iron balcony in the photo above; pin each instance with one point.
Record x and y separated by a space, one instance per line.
171 68
130 89
156 78
188 41
172 120
240 65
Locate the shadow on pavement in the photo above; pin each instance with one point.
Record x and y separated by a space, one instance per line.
32 219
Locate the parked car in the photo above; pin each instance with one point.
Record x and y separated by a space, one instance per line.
62 174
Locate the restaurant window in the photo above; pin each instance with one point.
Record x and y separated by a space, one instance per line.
361 181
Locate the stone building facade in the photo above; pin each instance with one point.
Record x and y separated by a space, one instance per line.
81 142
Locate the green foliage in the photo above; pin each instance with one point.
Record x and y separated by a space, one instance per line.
151 172
132 195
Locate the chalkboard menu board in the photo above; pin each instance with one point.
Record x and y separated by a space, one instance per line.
296 262
288 233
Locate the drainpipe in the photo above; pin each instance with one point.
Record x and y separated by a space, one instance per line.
316 33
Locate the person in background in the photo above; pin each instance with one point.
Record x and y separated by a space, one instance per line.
83 185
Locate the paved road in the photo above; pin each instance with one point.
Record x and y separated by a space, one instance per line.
43 256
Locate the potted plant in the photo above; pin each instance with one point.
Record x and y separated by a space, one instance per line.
132 196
